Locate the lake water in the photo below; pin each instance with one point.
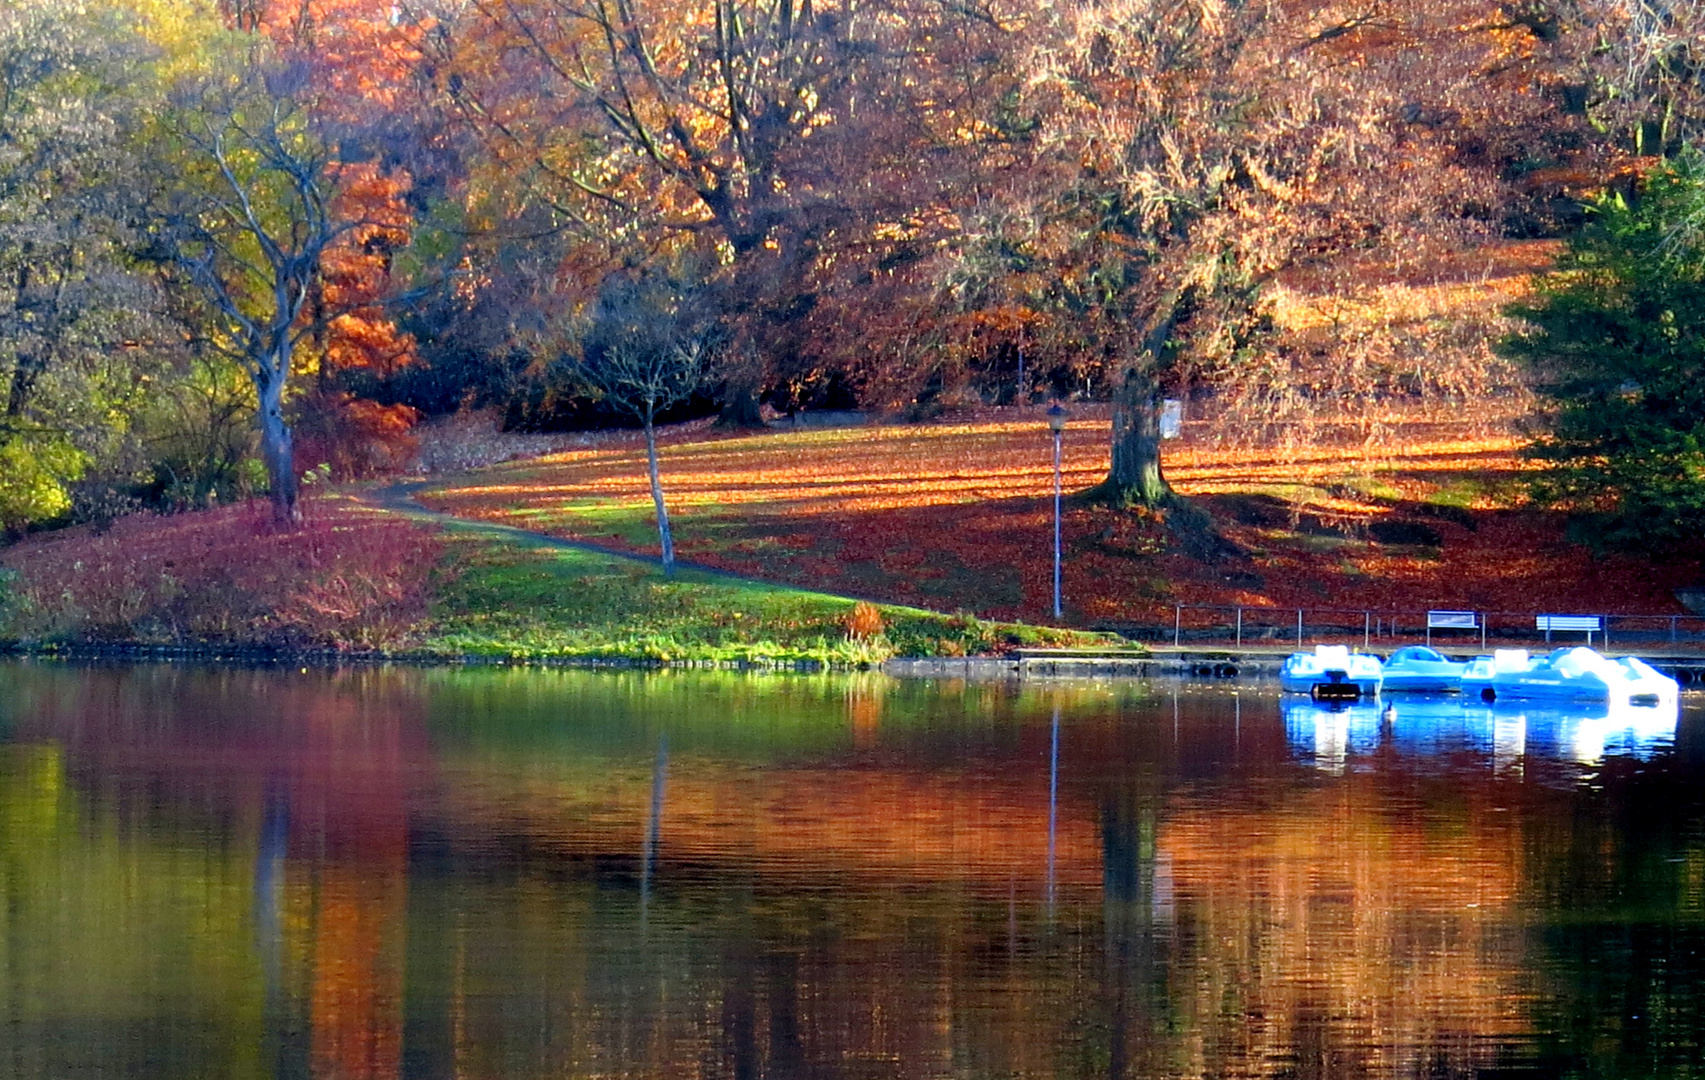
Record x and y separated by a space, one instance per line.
488 873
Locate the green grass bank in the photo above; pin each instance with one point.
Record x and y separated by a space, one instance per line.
356 579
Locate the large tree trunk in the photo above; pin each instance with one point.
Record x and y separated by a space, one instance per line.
665 538
277 452
1136 478
743 378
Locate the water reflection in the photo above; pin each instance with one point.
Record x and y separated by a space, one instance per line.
653 825
1330 735
514 874
1053 800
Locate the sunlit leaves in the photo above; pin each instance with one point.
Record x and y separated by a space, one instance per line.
34 472
78 317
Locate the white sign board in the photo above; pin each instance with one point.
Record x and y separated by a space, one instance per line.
1171 418
1452 620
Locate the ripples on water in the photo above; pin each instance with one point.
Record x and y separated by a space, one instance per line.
236 873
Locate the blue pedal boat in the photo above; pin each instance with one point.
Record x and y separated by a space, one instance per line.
1574 674
1418 669
1332 673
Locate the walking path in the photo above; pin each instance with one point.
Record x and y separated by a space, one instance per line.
399 498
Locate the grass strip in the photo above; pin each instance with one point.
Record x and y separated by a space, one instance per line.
536 602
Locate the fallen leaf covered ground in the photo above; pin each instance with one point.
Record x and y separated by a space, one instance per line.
958 515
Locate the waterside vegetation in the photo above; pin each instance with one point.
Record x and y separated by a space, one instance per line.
358 580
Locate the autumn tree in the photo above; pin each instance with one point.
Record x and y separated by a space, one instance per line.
644 351
766 136
77 313
1180 157
251 225
362 79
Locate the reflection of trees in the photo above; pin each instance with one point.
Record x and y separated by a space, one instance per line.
1135 936
1348 929
1625 857
351 838
120 955
302 788
355 1004
798 824
825 884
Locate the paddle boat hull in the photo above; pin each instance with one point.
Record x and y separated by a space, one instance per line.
1574 674
1331 673
1478 676
1418 669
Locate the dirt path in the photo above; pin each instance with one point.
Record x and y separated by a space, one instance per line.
399 498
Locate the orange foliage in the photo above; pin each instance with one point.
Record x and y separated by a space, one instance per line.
360 50
356 273
864 621
360 438
355 438
364 60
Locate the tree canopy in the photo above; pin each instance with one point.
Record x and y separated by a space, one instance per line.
320 220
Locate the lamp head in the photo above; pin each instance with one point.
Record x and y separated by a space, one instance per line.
1057 418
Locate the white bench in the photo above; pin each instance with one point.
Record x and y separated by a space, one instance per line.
1587 624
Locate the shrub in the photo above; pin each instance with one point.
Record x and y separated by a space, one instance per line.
864 621
931 635
344 579
34 471
355 438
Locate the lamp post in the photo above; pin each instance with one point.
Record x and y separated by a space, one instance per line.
1057 424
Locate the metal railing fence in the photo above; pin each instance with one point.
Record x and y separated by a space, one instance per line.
1252 626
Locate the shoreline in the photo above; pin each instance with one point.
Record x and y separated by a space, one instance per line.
260 656
1020 666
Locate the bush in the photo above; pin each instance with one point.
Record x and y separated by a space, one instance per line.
345 579
864 621
34 472
930 635
355 438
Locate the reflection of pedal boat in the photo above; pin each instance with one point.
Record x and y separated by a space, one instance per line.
1419 725
1586 731
1583 731
1331 673
1328 733
1574 674
1416 668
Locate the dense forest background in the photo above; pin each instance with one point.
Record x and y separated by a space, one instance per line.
251 241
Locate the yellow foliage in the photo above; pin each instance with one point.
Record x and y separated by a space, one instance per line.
34 473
